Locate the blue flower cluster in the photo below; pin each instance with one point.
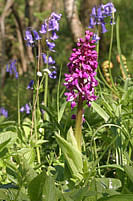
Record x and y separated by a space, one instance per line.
3 112
48 28
49 25
26 108
11 68
99 14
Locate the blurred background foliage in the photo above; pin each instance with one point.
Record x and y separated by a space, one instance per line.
23 14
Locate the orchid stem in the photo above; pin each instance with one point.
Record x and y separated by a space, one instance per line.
78 127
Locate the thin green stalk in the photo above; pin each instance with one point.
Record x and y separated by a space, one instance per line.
110 51
46 95
18 102
78 127
36 134
58 93
46 91
17 194
101 75
35 100
118 46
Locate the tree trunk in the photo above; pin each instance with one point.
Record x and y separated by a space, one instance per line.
73 18
6 12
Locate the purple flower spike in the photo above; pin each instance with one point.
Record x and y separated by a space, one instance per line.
36 35
30 85
50 45
100 13
83 62
3 112
12 68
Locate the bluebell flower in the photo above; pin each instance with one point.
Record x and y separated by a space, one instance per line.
53 75
11 68
50 45
48 60
104 30
44 56
92 23
56 16
29 37
22 109
95 37
30 85
26 108
36 35
3 112
53 25
93 11
99 14
108 9
54 36
51 72
43 28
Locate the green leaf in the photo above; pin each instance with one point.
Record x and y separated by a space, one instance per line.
80 194
8 135
27 127
7 124
35 188
72 155
4 195
122 197
49 190
63 106
129 171
71 138
107 183
28 154
100 111
4 144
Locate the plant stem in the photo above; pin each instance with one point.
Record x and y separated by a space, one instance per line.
99 70
46 95
35 101
58 93
78 127
18 102
110 51
118 46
